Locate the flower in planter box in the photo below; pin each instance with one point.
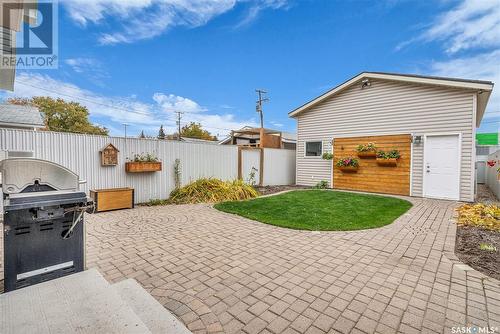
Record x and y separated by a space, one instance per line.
367 147
393 154
346 162
144 157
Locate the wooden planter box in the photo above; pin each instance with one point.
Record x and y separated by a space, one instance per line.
113 199
392 162
367 154
142 167
348 169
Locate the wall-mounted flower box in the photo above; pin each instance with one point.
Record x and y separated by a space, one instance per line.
348 169
367 154
367 150
390 162
347 165
388 159
142 167
143 163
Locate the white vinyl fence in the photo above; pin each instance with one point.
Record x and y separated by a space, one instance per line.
80 153
492 174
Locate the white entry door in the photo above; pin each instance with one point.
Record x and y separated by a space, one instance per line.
442 167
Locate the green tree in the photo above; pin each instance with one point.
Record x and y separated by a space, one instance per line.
161 133
195 130
63 116
142 135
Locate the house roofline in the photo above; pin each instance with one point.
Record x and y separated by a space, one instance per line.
22 125
484 86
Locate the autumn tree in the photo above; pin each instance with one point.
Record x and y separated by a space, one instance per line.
195 130
63 116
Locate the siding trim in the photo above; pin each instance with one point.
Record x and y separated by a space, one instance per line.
473 160
459 134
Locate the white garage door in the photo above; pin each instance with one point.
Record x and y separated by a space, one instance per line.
442 167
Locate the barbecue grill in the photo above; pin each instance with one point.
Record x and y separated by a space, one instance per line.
43 221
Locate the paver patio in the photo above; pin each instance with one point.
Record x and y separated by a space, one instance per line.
222 273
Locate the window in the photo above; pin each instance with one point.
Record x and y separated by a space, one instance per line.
314 149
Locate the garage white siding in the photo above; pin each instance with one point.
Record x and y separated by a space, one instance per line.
388 107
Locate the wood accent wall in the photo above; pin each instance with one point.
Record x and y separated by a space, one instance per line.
370 177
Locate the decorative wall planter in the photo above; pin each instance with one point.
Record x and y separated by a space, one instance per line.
349 169
391 162
142 167
367 154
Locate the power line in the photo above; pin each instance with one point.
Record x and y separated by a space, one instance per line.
107 105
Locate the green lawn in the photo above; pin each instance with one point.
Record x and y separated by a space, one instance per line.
320 210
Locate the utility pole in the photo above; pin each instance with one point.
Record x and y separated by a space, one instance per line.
260 101
125 128
179 116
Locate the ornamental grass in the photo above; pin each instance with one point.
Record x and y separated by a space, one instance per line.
485 216
211 190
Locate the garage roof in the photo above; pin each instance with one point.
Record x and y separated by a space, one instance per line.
483 87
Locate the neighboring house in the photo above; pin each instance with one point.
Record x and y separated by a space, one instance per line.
196 140
15 116
250 137
486 144
431 120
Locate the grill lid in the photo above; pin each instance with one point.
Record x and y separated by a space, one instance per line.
21 175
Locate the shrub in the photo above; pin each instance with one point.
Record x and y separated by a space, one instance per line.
347 161
323 184
392 154
366 148
480 215
210 190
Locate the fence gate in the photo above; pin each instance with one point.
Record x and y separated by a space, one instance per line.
251 165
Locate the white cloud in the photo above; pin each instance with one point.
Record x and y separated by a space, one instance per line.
112 111
173 103
473 23
258 6
117 109
470 24
145 19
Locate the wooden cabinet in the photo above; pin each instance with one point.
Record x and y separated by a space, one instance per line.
113 199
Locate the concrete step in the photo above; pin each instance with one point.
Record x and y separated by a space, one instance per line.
79 303
150 311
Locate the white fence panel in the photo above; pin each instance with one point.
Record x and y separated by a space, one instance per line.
250 163
492 174
80 153
279 167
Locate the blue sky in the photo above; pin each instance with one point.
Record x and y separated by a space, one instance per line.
136 61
